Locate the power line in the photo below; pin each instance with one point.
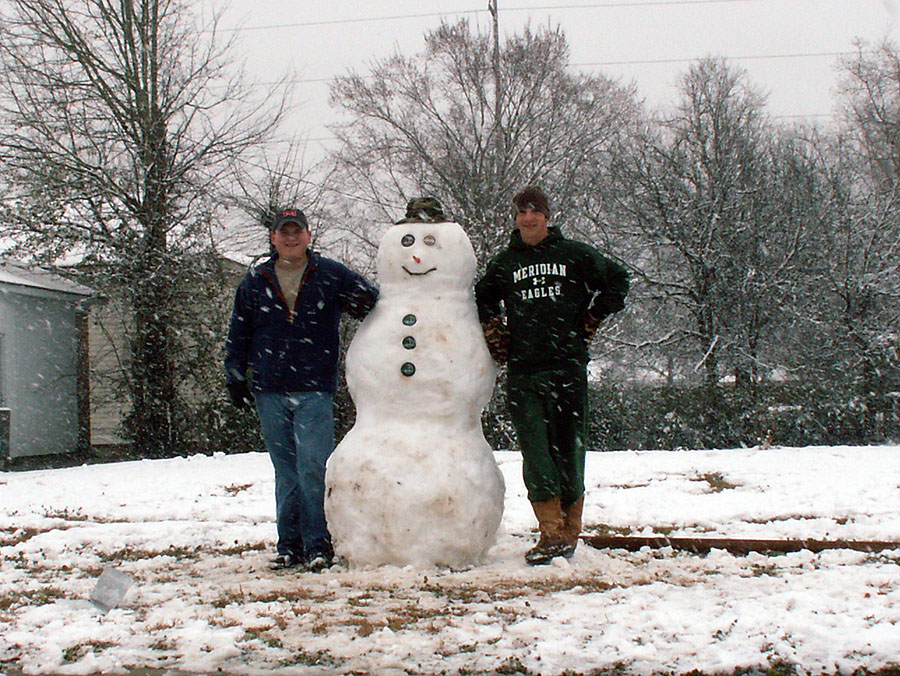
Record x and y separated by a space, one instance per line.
648 3
632 62
611 4
428 15
747 57
329 22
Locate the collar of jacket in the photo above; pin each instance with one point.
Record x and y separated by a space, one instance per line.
312 261
553 236
267 270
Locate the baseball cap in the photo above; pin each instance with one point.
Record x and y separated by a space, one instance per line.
289 216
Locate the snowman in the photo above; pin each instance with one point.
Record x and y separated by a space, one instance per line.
414 482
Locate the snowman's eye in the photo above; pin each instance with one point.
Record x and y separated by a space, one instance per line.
429 240
408 240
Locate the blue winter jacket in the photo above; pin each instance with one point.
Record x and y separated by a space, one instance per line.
293 350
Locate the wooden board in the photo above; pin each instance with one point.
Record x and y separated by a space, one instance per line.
703 545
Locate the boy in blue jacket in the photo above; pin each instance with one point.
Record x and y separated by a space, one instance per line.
282 352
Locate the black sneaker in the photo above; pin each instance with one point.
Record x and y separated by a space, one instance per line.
318 563
283 561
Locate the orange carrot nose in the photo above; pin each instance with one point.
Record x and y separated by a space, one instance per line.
417 259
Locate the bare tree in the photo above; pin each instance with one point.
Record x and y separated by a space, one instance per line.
268 181
471 126
860 265
128 115
708 231
804 202
429 124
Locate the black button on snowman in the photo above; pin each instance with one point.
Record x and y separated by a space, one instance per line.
408 368
414 481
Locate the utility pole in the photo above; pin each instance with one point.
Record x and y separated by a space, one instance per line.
495 14
498 97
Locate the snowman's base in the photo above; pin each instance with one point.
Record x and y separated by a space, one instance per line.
408 495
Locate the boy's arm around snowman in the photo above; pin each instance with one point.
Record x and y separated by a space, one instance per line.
357 295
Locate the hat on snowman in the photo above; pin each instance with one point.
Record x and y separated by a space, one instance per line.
423 210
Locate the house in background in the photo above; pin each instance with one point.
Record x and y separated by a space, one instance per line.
44 363
63 357
110 331
109 345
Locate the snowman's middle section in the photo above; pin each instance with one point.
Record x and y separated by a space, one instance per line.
422 359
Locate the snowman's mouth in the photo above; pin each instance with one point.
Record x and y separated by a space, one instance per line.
417 274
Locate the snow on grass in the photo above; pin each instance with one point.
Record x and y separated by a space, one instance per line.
196 534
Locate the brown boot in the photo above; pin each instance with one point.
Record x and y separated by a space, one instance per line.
552 542
572 522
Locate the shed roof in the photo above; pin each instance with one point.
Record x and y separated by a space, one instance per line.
38 278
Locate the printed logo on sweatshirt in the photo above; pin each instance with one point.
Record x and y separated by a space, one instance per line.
539 274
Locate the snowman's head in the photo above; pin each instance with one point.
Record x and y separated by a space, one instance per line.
425 257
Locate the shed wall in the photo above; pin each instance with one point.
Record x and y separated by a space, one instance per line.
39 373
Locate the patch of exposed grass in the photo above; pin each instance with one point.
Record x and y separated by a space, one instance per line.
316 659
161 626
182 553
767 571
363 626
135 554
35 597
234 489
505 590
66 514
274 596
606 529
796 517
239 548
362 600
11 536
76 652
263 635
164 645
639 484
717 482
226 622
397 619
511 665
664 531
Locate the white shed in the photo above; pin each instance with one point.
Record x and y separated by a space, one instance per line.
44 367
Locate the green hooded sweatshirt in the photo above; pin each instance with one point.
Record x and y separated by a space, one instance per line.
548 290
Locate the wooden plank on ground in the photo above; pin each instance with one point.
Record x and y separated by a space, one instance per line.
703 545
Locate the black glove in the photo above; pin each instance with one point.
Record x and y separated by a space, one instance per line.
240 394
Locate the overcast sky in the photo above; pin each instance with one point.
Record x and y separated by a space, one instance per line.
788 47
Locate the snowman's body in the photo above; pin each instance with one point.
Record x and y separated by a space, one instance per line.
414 481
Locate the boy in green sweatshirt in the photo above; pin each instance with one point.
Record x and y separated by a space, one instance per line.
553 293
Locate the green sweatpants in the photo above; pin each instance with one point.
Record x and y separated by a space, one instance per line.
549 410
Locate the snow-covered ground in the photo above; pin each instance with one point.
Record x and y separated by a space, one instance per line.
195 534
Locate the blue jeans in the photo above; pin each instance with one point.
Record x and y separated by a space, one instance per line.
298 429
